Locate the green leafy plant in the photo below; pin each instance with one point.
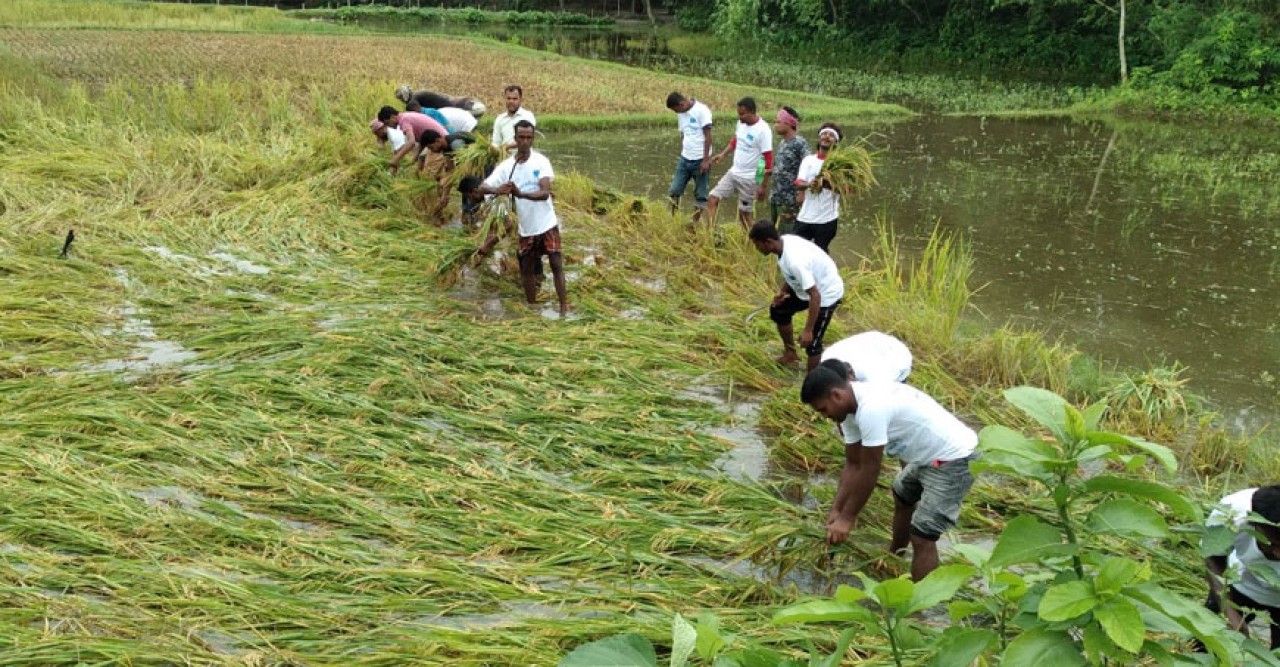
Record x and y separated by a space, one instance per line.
702 639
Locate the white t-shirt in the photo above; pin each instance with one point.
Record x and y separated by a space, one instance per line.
874 356
504 126
1234 511
805 265
535 217
907 423
691 123
821 206
753 142
460 120
395 136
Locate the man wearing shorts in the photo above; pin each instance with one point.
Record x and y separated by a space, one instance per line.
1255 551
752 140
934 447
872 356
810 283
526 177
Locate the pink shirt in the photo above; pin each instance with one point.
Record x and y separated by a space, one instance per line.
413 124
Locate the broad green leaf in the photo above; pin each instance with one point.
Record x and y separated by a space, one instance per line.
1259 654
628 650
1097 646
1043 648
1122 623
846 593
1217 540
823 611
1210 628
1093 453
683 640
1093 415
1176 502
752 657
1266 573
1116 573
972 553
1000 463
1163 455
1045 407
998 438
1074 423
710 642
894 594
1026 539
959 647
959 610
941 585
1127 518
1008 585
1067 601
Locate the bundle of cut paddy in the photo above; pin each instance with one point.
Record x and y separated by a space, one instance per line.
847 170
476 159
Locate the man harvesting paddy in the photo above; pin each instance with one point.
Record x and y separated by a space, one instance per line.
935 449
810 284
526 177
413 125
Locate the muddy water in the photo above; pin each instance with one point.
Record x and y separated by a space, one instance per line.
1139 245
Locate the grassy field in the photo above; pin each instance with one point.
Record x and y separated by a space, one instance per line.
245 423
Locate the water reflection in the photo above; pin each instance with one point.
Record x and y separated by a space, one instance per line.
1139 244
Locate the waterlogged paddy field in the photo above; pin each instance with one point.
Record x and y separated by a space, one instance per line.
1140 245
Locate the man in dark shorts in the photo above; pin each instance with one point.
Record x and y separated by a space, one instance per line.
526 176
810 283
1254 552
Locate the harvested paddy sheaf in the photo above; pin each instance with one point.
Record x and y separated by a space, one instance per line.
358 466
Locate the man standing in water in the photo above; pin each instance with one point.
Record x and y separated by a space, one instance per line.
935 449
819 211
504 126
751 141
791 151
810 283
693 119
526 177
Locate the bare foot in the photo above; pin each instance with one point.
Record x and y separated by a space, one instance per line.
788 358
564 309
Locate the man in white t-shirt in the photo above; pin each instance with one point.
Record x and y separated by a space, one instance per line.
504 125
810 283
1254 559
693 119
935 448
872 356
819 211
752 141
526 177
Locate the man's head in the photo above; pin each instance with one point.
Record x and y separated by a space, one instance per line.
524 138
379 130
433 141
413 105
515 97
828 392
678 103
404 93
747 111
840 367
389 116
788 120
1266 503
765 237
469 187
471 104
829 135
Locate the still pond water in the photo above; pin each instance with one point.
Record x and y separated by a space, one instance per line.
1143 244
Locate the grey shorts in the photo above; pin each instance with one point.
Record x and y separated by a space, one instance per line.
937 491
746 189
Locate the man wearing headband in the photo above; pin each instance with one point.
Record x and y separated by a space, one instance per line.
791 150
387 134
752 141
819 210
693 119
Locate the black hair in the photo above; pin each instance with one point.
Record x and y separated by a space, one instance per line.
467 185
514 87
763 230
748 103
839 367
385 113
673 99
819 382
522 123
1266 501
833 126
428 136
793 112
413 105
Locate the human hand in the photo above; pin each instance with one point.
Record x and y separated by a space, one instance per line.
806 338
838 530
717 159
705 166
778 299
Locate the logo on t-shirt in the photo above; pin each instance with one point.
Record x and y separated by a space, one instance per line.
536 172
750 137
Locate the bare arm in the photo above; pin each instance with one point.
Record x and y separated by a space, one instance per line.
1217 566
815 307
857 481
541 194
